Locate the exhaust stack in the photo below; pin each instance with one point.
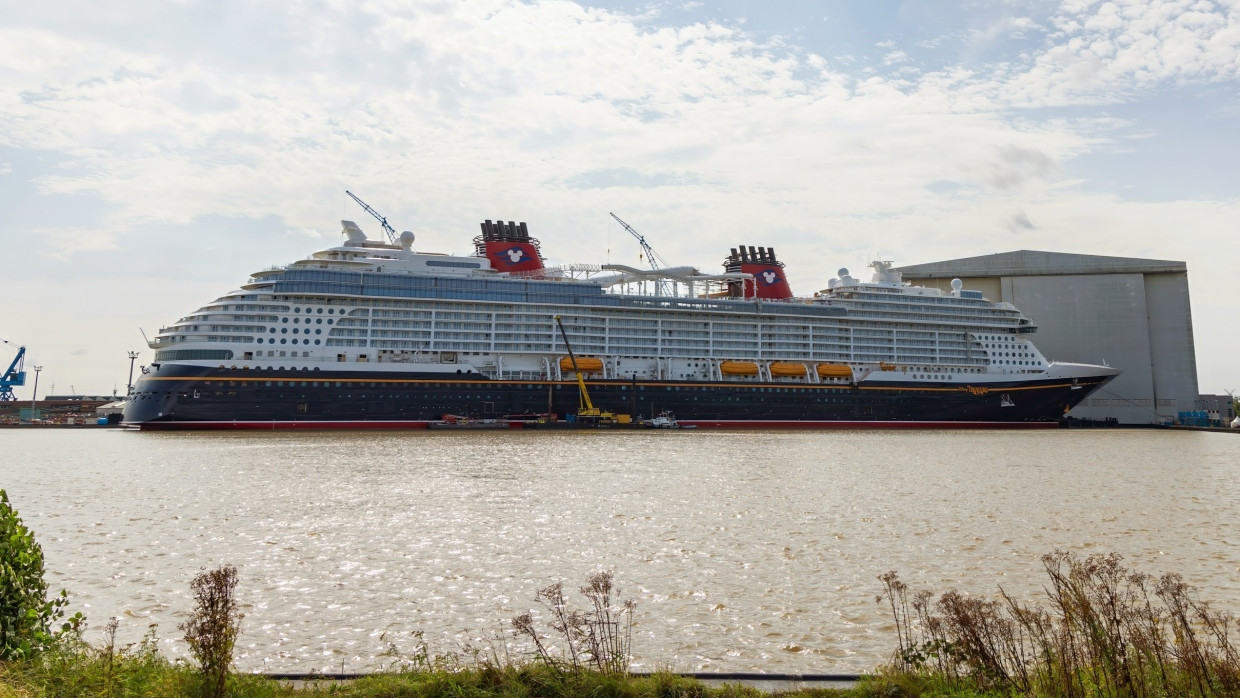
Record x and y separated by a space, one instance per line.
768 283
508 246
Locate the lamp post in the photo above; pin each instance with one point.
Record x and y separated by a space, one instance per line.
132 355
34 395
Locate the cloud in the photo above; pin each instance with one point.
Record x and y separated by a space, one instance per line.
1013 166
624 177
1113 50
485 90
1004 28
894 57
196 96
1019 223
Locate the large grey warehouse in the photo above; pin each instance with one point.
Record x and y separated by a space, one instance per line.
1132 314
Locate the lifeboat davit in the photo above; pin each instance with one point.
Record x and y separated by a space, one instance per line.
738 368
585 364
783 368
768 280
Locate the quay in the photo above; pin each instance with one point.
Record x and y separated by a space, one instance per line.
62 411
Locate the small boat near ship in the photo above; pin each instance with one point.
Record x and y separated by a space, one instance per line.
667 420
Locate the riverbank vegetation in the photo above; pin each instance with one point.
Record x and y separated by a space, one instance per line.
1102 630
1106 630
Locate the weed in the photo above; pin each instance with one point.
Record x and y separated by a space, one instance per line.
399 661
212 628
599 639
1108 631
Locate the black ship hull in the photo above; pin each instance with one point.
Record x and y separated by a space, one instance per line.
178 396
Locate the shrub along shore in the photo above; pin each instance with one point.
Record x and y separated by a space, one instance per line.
1102 630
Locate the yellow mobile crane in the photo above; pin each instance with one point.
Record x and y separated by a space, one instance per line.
586 411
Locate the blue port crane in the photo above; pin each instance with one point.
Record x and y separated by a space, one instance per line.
391 232
15 376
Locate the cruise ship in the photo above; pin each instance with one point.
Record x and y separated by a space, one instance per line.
375 334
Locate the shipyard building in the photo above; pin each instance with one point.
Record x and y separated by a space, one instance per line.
1132 314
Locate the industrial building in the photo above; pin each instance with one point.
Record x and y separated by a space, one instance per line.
1132 314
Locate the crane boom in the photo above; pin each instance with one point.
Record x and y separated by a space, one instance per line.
391 232
656 262
14 376
588 409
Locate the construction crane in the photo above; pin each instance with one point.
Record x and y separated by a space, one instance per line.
15 376
391 232
656 262
586 410
653 258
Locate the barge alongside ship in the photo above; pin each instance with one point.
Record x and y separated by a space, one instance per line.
373 334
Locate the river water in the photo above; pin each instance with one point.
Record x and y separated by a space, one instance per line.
745 551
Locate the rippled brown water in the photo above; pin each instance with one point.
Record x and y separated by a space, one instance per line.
744 551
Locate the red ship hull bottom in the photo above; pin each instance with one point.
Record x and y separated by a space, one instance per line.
704 424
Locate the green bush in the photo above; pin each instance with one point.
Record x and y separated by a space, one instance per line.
27 616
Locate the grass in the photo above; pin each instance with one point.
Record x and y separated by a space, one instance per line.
1103 630
85 672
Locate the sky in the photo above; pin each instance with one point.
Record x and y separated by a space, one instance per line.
153 154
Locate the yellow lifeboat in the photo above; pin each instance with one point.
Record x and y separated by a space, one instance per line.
834 371
884 366
738 368
784 368
585 364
